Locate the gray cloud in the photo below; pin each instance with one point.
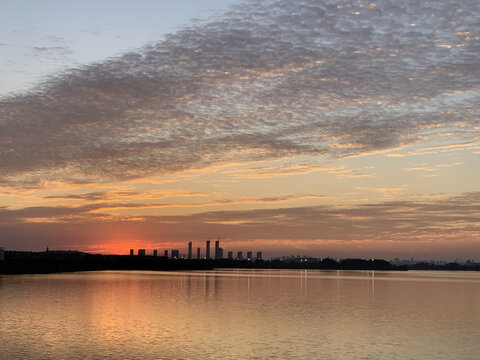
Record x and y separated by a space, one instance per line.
449 225
92 196
275 77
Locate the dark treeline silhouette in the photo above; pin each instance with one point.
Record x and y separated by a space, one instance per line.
67 261
19 262
448 266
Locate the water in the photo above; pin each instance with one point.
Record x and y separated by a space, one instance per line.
241 314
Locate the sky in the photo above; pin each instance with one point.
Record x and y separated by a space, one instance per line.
327 128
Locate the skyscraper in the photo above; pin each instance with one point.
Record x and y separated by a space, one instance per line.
141 252
198 253
217 247
190 250
131 252
239 255
207 250
259 255
249 255
165 253
174 254
230 255
155 252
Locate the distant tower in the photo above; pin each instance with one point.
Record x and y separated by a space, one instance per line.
155 252
131 252
239 255
141 252
198 253
190 250
220 254
174 254
207 251
249 255
165 253
259 255
230 255
2 254
217 247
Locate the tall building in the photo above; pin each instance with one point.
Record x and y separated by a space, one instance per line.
141 252
190 250
207 250
198 253
131 252
2 254
165 253
220 254
155 252
217 247
239 255
259 255
249 255
230 255
174 254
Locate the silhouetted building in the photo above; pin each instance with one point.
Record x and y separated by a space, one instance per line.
207 250
131 252
174 254
141 252
239 255
165 253
198 253
190 250
155 252
259 255
230 255
220 254
249 255
2 254
217 246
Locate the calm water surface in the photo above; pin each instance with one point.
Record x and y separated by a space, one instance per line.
241 314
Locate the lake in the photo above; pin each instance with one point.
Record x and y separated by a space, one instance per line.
241 314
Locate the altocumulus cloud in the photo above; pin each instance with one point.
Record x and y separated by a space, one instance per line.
267 79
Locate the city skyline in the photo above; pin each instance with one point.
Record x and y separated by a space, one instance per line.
327 128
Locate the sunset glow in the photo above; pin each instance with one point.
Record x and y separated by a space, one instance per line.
326 128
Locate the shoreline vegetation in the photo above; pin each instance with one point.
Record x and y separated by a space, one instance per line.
21 262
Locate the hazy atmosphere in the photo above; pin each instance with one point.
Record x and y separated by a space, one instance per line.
326 128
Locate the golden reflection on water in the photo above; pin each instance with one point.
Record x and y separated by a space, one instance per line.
241 314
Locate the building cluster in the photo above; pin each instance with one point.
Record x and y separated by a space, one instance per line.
218 253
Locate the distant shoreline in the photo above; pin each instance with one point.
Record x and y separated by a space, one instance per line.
17 262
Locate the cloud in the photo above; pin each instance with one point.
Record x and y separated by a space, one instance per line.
268 78
97 203
445 221
433 167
